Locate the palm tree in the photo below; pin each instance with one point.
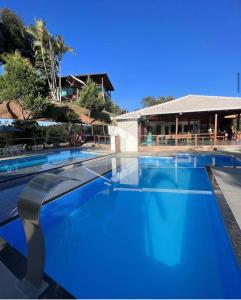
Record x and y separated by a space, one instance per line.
49 52
60 48
40 36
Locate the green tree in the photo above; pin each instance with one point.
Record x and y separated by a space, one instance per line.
21 82
150 100
91 98
163 99
13 34
41 37
29 129
60 48
113 108
36 43
49 52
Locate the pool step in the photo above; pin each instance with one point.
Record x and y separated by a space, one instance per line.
9 284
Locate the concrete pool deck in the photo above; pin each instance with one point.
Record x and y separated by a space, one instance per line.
229 181
226 182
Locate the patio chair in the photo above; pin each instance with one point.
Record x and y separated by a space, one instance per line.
5 151
37 147
17 149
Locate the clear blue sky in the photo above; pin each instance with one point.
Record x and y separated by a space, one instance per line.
154 47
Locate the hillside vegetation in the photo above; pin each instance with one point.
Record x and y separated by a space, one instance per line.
31 81
59 112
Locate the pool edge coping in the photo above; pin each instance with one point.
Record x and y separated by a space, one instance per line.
229 220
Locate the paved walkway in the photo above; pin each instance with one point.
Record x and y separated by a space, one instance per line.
229 181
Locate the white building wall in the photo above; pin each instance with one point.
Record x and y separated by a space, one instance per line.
113 132
128 133
112 143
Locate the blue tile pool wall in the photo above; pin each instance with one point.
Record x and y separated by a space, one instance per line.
143 232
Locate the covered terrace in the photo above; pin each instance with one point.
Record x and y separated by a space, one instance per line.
192 120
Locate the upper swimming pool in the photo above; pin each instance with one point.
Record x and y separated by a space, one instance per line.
44 160
191 160
150 228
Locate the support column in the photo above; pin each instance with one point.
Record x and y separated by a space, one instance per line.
208 123
102 87
140 133
176 135
238 122
238 125
215 128
188 126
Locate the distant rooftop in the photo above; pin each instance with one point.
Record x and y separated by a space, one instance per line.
187 104
98 77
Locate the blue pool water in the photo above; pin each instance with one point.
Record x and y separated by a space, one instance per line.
150 229
47 160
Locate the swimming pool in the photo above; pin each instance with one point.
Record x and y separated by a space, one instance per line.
44 160
149 229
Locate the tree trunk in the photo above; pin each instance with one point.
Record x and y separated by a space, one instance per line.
13 115
89 116
60 87
45 68
22 111
28 116
53 74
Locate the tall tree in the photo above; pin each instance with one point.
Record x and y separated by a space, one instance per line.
60 48
150 100
41 49
36 43
112 107
162 99
13 34
49 52
22 83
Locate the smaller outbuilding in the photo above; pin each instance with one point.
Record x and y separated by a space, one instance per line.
72 84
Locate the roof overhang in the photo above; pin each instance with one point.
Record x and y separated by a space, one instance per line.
190 104
98 77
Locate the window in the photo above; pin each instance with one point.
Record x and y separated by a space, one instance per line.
173 129
158 129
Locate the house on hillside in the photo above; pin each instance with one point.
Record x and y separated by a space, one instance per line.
189 121
72 84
